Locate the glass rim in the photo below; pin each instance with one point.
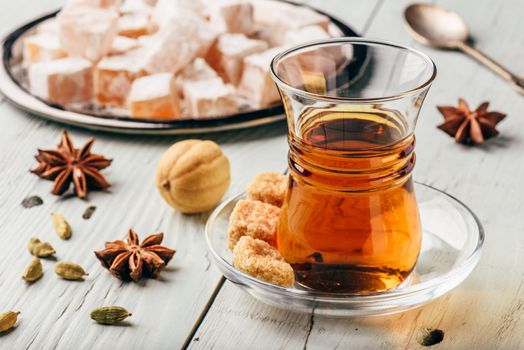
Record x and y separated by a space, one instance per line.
351 40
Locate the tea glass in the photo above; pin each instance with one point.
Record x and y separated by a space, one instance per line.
350 221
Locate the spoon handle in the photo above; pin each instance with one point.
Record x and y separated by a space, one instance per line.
518 82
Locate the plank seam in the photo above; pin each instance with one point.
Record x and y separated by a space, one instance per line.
204 312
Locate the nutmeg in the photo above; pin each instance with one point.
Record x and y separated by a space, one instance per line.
193 175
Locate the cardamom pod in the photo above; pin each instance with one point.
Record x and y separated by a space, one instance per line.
109 314
33 271
69 270
39 248
8 320
62 227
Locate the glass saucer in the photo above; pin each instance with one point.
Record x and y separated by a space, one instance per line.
452 243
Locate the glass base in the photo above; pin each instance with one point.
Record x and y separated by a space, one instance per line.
451 247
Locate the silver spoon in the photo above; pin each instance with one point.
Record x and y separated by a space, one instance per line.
436 26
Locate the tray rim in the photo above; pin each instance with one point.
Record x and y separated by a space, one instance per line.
21 98
348 298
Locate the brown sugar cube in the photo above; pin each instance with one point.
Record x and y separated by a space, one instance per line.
227 55
268 187
114 76
254 219
259 259
62 81
154 96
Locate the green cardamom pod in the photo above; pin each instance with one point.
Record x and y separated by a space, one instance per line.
62 227
109 314
34 271
69 270
39 248
8 320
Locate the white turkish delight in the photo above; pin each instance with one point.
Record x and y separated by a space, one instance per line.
63 81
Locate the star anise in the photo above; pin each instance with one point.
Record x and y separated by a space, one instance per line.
134 260
67 164
467 126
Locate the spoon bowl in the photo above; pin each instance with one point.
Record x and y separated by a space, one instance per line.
436 26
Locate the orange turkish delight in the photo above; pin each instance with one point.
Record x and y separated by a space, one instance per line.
256 83
114 76
154 96
134 25
227 55
62 81
181 40
232 16
42 47
210 97
87 32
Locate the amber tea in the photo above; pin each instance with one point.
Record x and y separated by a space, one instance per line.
350 221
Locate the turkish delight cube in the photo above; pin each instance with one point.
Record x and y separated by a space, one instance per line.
95 3
232 16
114 76
136 6
134 25
255 219
49 26
87 32
123 44
304 34
154 96
209 98
165 10
268 187
63 81
227 55
256 83
181 40
197 70
42 47
260 260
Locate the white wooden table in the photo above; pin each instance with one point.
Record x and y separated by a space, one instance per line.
189 306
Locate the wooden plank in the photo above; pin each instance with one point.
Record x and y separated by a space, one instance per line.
486 312
55 313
